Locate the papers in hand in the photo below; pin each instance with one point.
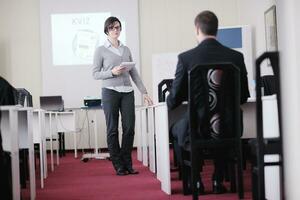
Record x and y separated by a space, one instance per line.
127 66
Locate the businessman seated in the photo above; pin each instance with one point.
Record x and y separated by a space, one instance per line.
209 50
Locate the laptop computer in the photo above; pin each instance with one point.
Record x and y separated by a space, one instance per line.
52 103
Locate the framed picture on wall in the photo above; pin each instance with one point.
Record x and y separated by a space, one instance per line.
271 29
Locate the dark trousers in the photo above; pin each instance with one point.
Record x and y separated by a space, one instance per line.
179 131
114 103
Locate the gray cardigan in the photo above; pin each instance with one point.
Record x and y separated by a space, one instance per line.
105 60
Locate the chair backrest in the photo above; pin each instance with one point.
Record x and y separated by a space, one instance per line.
214 101
7 92
163 87
22 96
268 83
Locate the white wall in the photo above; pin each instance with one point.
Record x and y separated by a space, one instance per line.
289 42
165 26
20 44
168 26
251 12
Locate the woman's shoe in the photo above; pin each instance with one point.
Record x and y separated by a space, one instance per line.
121 172
132 171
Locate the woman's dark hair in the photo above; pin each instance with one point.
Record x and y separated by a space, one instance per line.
109 22
207 21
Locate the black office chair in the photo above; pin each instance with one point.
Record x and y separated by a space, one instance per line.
269 84
263 146
6 98
163 87
22 96
214 121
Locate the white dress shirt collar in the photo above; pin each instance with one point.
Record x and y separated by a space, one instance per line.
116 50
108 44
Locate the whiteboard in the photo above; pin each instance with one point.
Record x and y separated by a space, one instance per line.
163 67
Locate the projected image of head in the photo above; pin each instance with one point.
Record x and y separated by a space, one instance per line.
75 37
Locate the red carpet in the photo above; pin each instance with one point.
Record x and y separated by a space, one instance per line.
96 179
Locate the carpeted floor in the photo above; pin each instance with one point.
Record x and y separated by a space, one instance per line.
96 179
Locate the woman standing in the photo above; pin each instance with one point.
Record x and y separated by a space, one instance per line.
118 95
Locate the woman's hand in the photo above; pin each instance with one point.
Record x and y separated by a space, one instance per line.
117 70
147 100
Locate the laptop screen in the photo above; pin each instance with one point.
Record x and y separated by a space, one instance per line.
52 103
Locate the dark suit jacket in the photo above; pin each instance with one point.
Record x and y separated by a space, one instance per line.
208 51
6 98
6 93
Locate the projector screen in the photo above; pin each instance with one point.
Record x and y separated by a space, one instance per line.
75 37
71 30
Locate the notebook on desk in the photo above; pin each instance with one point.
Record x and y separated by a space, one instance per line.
52 103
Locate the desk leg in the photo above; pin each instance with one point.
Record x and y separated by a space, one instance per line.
75 145
32 173
95 132
57 151
15 175
42 173
45 162
31 157
60 141
15 162
51 144
63 145
96 154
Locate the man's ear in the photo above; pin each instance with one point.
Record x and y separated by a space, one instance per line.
197 31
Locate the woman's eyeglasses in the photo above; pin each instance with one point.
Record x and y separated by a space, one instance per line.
116 28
